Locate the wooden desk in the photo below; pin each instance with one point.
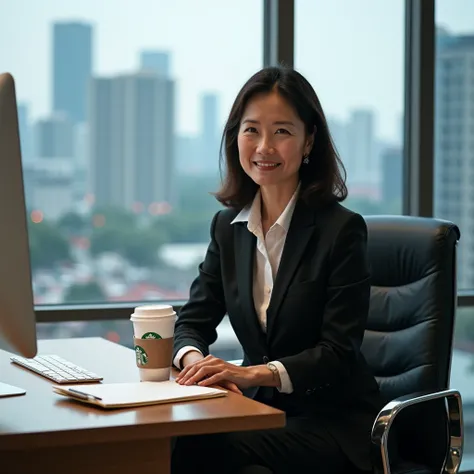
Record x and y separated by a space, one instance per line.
42 432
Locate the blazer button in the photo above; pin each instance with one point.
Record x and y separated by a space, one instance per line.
266 360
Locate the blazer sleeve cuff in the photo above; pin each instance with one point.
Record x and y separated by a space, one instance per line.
181 353
286 385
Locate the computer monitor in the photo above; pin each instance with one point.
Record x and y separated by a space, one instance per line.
17 316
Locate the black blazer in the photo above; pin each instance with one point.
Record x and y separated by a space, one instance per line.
315 320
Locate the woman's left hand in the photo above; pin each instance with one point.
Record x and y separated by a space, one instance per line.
211 370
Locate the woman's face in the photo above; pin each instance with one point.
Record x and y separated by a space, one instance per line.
272 141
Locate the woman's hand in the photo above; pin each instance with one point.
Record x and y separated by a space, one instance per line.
214 371
192 357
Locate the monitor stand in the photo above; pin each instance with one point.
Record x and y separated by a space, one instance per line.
10 391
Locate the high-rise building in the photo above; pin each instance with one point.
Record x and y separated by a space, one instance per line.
55 137
72 68
81 160
132 141
208 158
52 187
25 133
187 153
361 164
454 143
155 61
338 130
392 179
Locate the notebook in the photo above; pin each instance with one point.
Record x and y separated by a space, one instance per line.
121 395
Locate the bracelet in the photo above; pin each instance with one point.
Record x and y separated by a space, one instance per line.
273 368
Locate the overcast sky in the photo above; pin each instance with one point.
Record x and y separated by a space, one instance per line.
350 50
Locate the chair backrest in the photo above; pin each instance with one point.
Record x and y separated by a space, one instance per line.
408 339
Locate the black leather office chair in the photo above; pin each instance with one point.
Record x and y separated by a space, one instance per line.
408 343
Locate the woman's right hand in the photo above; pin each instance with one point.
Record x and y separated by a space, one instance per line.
193 357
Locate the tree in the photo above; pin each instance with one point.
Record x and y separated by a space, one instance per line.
107 239
48 246
115 217
195 195
139 246
185 227
72 223
85 293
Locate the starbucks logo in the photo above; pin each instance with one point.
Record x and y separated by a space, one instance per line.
141 355
151 335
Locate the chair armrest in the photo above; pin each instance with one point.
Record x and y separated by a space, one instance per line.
384 420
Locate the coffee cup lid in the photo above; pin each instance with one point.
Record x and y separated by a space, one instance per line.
150 310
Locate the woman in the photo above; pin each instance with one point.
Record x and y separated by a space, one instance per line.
287 263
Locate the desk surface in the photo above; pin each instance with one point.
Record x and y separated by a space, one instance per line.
42 418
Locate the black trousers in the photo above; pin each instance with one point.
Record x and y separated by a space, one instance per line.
299 447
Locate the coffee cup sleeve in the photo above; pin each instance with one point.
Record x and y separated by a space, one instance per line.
153 353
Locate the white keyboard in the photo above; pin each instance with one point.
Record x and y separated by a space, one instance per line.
57 369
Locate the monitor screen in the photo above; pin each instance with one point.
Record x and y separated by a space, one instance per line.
17 316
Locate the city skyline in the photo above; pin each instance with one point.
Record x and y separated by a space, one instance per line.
130 126
144 61
171 26
357 134
114 54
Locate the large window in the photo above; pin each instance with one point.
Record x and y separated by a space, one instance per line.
355 62
121 107
454 173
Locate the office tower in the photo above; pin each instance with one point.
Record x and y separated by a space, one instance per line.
81 145
208 157
72 68
25 133
454 143
52 187
392 179
187 152
55 137
29 181
131 138
361 164
338 130
155 61
81 160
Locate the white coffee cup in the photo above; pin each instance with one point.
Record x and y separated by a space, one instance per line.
154 321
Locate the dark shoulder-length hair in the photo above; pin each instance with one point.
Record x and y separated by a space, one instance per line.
322 179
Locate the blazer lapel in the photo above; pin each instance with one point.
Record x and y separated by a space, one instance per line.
245 246
302 229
